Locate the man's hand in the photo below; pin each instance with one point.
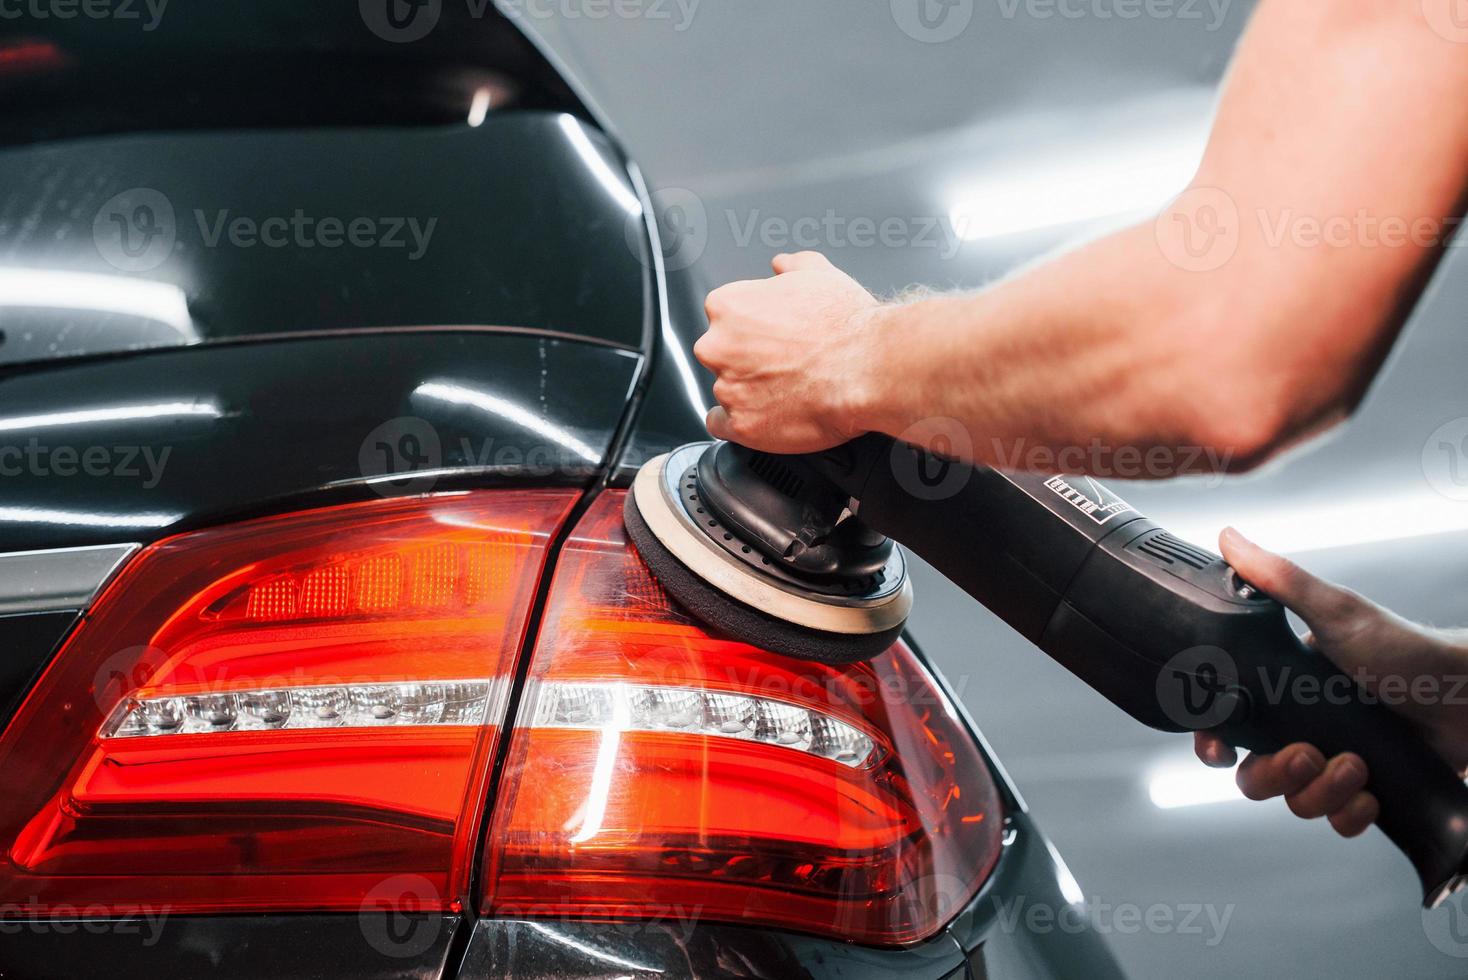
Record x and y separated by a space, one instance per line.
793 356
1370 644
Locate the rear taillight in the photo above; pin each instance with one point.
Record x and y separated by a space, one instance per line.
277 714
656 770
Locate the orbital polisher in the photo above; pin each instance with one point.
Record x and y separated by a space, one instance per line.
796 555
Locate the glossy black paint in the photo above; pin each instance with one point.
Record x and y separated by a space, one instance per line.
1022 924
371 946
26 642
518 222
201 64
253 428
679 389
550 950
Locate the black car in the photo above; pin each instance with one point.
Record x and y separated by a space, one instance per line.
329 349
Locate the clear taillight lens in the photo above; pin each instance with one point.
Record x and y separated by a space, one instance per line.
655 767
277 714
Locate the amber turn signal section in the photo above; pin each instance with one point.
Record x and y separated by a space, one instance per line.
278 714
657 770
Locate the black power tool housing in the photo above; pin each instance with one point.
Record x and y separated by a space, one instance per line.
794 554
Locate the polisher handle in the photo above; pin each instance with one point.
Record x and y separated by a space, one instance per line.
1163 629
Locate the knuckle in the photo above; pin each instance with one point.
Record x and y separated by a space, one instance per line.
716 304
709 351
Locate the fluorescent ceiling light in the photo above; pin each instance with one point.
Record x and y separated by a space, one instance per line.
508 410
159 302
1354 520
112 413
1068 184
43 515
479 107
1180 784
597 164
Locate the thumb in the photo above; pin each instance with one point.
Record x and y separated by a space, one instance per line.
800 262
1325 607
717 423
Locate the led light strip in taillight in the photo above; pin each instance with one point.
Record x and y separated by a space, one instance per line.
690 711
327 706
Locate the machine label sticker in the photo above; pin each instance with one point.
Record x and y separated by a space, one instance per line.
1091 498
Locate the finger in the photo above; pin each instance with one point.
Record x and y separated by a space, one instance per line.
1359 813
1214 751
717 423
800 261
1323 605
1344 777
1262 777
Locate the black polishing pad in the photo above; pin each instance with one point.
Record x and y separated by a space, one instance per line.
744 623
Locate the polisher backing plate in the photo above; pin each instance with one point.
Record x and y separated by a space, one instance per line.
736 598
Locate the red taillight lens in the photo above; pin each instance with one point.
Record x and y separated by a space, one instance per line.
656 768
277 714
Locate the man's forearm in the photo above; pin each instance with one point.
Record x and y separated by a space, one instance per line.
1064 366
1253 312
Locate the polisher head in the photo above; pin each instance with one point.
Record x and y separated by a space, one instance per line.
728 584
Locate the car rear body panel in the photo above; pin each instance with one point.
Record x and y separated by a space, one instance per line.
171 239
108 450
